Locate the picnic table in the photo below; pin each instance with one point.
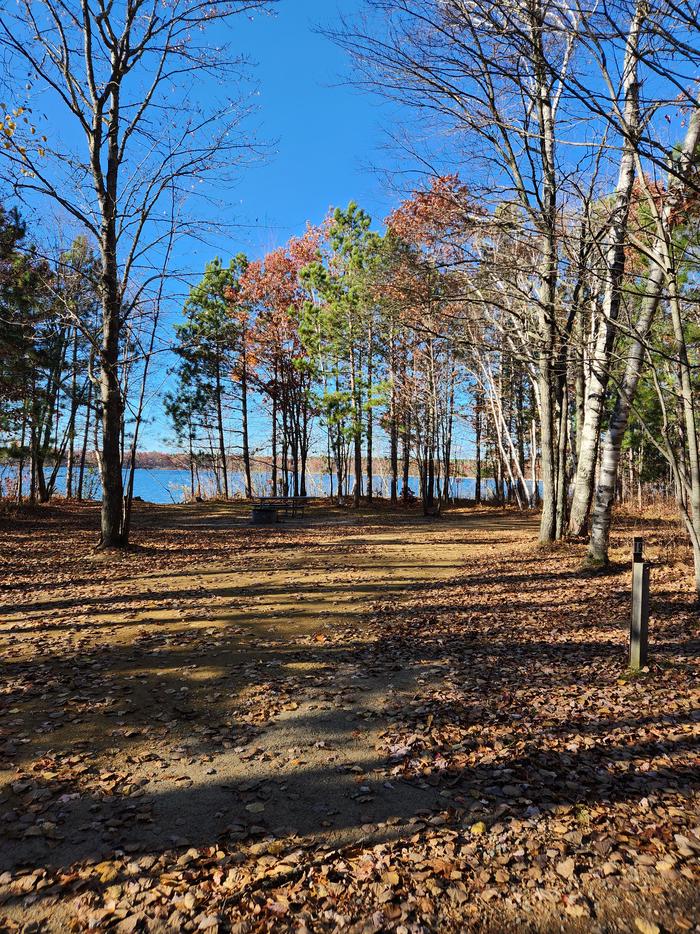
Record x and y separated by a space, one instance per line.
267 510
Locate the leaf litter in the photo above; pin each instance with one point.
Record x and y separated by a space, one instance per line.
392 726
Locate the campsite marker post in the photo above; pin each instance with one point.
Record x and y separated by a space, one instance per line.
639 624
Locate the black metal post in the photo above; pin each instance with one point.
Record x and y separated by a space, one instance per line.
639 624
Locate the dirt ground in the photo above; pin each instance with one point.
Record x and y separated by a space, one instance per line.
365 721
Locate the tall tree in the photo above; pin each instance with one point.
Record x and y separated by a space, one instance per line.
207 344
274 295
626 104
110 71
342 323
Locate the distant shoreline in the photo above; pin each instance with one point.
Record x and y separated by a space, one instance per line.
162 460
238 468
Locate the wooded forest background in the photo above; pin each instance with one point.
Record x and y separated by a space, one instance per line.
543 290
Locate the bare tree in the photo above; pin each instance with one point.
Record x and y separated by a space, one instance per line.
613 261
494 75
132 120
659 258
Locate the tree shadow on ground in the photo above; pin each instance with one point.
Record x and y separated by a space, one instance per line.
525 716
495 694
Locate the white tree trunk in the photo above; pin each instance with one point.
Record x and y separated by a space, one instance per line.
662 262
612 447
614 266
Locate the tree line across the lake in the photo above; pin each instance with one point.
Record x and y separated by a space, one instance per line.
541 292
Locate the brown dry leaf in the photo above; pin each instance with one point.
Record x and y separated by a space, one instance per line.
566 868
645 926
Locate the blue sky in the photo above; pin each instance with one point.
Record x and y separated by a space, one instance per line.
323 135
325 146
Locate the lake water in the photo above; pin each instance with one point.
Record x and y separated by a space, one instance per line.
159 485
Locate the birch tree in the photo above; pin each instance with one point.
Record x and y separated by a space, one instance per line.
493 74
625 106
658 261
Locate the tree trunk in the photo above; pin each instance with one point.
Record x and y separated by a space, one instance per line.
533 463
357 426
547 441
274 435
22 442
394 451
339 467
32 449
72 417
304 436
406 457
430 478
191 456
609 464
563 437
295 457
370 478
661 259
393 423
86 435
110 461
580 390
614 269
448 441
329 461
547 296
498 476
478 406
220 430
244 426
111 298
692 512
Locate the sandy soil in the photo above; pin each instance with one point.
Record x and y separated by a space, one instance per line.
427 713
